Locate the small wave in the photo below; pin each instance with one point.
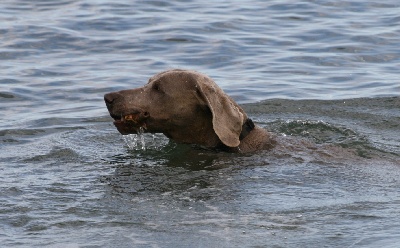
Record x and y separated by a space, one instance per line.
319 131
324 133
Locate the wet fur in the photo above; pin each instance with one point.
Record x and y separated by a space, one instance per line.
188 107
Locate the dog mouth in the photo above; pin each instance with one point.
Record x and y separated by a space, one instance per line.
131 123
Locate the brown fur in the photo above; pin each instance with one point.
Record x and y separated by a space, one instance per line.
188 107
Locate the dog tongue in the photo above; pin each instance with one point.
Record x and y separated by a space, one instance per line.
129 127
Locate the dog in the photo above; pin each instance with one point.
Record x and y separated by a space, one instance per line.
187 107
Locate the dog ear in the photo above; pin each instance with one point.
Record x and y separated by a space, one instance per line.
227 116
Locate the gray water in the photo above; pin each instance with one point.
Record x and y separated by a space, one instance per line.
321 75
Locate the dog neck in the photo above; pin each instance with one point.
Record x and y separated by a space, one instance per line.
247 127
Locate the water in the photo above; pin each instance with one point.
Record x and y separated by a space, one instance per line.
136 141
321 75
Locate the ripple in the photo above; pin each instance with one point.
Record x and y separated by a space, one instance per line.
65 169
319 131
6 95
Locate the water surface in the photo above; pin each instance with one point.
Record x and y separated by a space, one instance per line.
321 75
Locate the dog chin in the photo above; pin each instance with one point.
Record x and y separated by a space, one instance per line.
126 128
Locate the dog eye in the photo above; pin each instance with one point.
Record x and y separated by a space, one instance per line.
157 87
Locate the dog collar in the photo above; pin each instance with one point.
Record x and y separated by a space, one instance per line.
247 127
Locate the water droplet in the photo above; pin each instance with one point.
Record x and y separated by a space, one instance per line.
135 141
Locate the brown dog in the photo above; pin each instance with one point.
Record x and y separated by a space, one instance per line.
187 107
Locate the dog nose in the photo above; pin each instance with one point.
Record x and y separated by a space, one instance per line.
110 97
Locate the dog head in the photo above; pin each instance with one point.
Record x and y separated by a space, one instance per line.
186 106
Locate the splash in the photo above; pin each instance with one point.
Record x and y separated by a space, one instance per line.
145 141
135 141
